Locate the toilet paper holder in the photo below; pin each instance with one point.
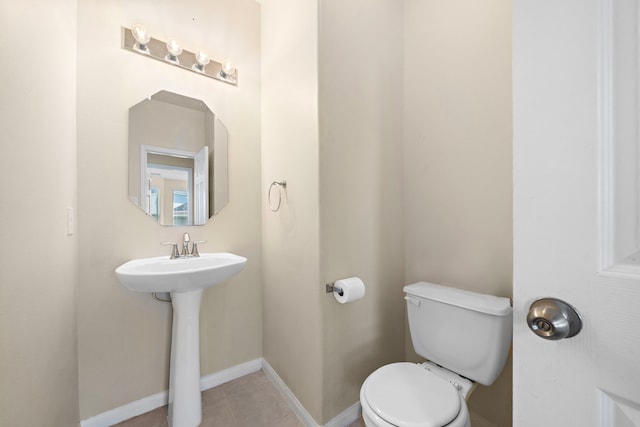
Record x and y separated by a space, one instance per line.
330 288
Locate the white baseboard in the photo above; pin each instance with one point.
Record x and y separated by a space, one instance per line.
221 377
304 416
146 404
130 410
346 417
343 419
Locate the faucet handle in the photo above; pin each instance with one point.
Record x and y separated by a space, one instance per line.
194 247
174 249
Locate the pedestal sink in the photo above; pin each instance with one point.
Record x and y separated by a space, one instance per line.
185 279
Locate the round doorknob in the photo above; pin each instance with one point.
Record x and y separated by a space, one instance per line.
553 319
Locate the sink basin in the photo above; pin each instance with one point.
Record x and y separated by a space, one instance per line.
161 274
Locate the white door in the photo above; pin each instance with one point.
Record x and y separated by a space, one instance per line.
201 187
576 209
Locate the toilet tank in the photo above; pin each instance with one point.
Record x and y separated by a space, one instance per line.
465 332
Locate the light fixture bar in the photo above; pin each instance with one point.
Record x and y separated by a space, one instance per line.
157 49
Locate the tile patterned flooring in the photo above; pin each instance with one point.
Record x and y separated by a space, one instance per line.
249 401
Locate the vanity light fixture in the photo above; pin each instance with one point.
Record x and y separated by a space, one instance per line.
138 40
173 51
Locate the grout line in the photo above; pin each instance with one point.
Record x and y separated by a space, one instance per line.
233 415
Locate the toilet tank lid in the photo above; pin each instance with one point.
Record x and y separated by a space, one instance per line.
497 306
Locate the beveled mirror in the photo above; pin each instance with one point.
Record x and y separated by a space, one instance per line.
178 169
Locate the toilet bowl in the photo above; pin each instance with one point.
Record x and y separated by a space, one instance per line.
411 395
465 336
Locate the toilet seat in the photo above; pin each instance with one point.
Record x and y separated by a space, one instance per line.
405 394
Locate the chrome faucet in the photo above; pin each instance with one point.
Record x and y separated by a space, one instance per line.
185 244
185 253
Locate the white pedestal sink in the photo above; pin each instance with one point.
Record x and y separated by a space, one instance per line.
185 279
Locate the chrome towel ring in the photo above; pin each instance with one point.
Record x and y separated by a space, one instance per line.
282 185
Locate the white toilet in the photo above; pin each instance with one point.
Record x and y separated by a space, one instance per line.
466 338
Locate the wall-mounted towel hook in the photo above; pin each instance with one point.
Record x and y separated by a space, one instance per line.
281 185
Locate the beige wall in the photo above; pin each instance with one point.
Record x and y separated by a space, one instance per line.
360 103
435 88
336 140
336 151
38 284
458 180
290 237
124 337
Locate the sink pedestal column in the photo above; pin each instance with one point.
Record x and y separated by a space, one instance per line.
185 400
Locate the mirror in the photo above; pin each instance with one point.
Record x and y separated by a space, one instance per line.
177 159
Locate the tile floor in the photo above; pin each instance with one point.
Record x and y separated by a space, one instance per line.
249 401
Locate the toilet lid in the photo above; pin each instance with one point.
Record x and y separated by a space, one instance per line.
404 394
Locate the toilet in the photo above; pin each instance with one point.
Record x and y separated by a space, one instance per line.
465 336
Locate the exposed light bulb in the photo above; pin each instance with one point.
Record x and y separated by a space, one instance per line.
174 50
142 37
202 59
227 71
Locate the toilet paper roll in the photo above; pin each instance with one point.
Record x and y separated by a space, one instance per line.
352 289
